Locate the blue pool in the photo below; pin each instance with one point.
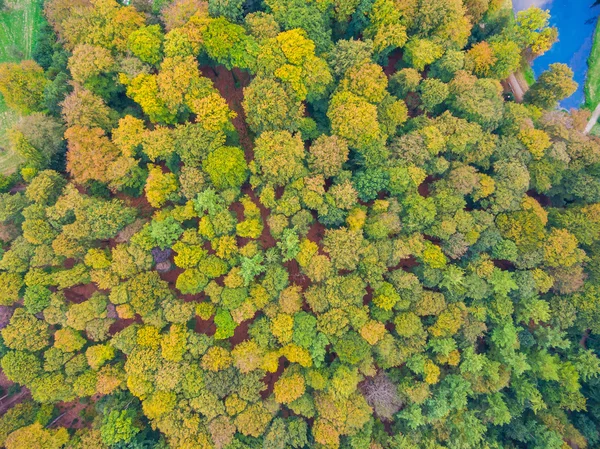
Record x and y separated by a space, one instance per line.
575 22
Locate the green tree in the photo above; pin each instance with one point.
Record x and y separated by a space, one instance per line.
280 156
433 93
327 155
91 155
10 287
230 9
553 85
476 99
82 107
22 86
269 107
355 120
146 43
38 436
39 139
226 167
345 247
420 53
160 187
46 187
405 81
21 366
119 426
25 332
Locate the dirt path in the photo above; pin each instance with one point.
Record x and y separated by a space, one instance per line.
9 402
70 415
518 86
230 85
593 120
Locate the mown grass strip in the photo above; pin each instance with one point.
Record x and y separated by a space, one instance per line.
20 22
592 82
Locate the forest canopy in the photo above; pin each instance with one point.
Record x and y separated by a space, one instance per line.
297 224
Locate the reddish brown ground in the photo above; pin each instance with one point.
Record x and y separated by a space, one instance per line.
413 101
5 315
296 276
69 414
80 293
225 82
393 59
405 264
17 188
271 378
425 187
171 276
141 203
122 323
238 209
316 232
504 265
198 297
584 339
266 239
8 401
207 327
241 333
368 296
542 199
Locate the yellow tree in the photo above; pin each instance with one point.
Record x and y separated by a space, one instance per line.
22 86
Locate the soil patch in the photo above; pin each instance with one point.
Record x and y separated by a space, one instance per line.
413 101
238 209
171 276
7 402
198 297
368 298
405 264
393 59
230 85
316 233
17 188
425 187
240 333
5 315
141 203
70 415
80 293
266 239
504 265
271 378
542 199
295 275
122 323
207 327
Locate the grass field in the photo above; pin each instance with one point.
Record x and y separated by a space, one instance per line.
592 82
8 159
19 24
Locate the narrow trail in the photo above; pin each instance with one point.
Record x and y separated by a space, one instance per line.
516 87
28 37
7 403
592 121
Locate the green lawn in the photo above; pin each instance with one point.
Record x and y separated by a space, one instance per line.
19 24
592 82
8 160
